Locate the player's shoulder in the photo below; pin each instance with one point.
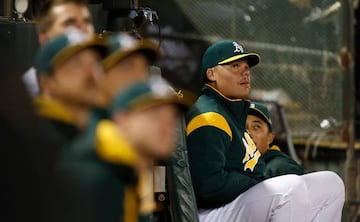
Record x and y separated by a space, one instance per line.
274 153
204 104
208 121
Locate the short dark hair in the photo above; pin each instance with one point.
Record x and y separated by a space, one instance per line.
44 18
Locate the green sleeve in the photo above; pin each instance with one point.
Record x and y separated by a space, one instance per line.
214 184
281 164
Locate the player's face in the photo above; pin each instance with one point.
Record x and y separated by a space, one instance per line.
154 130
75 81
233 79
259 132
132 69
70 15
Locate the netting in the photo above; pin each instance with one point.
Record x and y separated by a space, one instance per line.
298 41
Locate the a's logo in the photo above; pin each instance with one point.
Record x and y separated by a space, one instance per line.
126 41
238 48
160 87
75 36
252 154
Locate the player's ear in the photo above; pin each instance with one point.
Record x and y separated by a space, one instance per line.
210 74
42 38
120 117
270 137
44 82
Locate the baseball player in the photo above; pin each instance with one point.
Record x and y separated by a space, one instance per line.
55 16
68 69
111 163
225 164
259 126
114 173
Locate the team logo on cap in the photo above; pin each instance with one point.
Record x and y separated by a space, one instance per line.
76 36
238 48
126 41
160 87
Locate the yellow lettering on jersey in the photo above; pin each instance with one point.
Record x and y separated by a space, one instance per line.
252 154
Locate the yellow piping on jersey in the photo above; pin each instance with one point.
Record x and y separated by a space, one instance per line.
130 205
222 95
53 110
209 119
112 147
274 147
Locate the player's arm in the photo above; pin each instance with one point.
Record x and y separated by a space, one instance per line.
281 164
213 183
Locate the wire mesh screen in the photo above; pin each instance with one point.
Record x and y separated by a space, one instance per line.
298 41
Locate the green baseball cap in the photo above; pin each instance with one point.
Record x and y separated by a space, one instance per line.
123 45
143 95
261 111
62 47
226 51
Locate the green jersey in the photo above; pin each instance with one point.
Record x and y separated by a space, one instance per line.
224 161
101 166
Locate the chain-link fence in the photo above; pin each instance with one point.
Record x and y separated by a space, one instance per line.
298 41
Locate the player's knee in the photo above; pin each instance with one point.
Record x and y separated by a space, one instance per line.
293 180
328 182
333 180
297 190
294 186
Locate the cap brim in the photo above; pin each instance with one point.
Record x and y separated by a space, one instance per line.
98 44
258 113
252 58
146 47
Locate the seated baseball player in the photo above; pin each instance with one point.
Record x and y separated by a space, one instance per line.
226 166
68 68
259 125
113 173
126 63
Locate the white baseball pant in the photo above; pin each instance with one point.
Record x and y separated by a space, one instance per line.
312 197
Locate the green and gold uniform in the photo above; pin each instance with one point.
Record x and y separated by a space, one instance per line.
101 167
224 161
277 162
56 120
